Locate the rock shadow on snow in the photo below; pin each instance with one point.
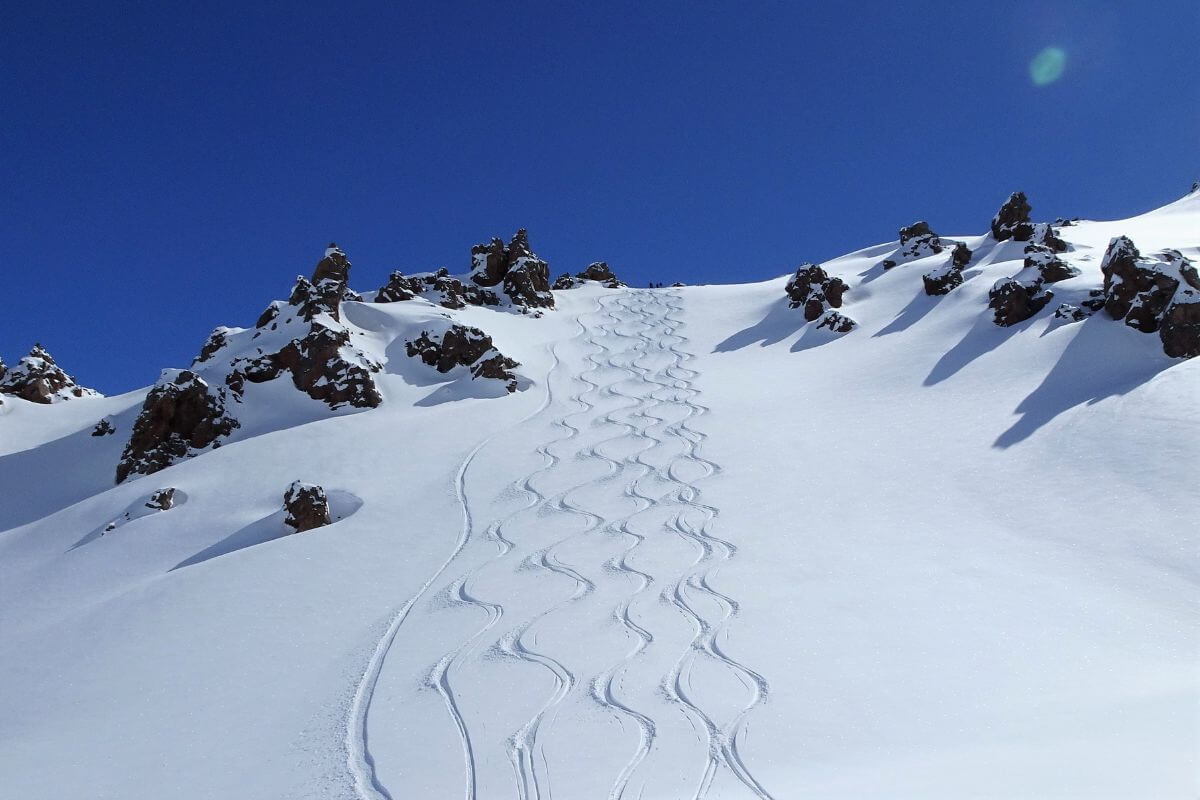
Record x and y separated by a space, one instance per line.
1103 360
983 336
779 323
269 528
157 502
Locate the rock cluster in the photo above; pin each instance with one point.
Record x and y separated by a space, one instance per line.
38 379
467 347
522 276
1154 293
1012 221
103 428
813 289
307 506
597 271
320 359
437 287
181 415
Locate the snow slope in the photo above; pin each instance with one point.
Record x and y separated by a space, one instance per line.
707 551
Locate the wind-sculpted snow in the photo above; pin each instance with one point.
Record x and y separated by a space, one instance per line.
593 593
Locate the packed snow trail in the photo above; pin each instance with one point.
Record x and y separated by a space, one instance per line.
580 637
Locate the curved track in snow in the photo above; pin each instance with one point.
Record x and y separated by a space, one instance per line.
597 665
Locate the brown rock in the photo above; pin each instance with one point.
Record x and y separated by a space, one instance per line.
1180 329
812 288
1013 301
162 499
307 506
1012 220
38 379
178 416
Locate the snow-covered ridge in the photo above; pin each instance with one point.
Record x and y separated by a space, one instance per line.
705 547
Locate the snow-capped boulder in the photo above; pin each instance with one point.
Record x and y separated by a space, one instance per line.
307 506
916 241
943 279
104 428
523 276
1050 268
1152 293
1136 289
181 416
38 379
564 281
1014 301
460 345
812 288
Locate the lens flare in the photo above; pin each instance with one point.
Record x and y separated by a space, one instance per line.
1047 66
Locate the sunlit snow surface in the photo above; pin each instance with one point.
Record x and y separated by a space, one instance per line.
710 551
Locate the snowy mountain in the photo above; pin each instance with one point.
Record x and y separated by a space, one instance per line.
919 521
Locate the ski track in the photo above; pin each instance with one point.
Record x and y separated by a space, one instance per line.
610 350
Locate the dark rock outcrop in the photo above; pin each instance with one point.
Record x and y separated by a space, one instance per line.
307 506
1071 313
437 287
916 241
1050 268
103 428
181 415
216 340
318 367
466 347
523 276
162 499
320 358
38 379
1154 293
597 271
943 279
1136 290
812 288
1012 220
1014 301
397 289
1180 328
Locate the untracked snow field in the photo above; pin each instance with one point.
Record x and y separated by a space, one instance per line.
706 552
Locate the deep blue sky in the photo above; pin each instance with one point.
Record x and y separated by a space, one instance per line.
166 172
